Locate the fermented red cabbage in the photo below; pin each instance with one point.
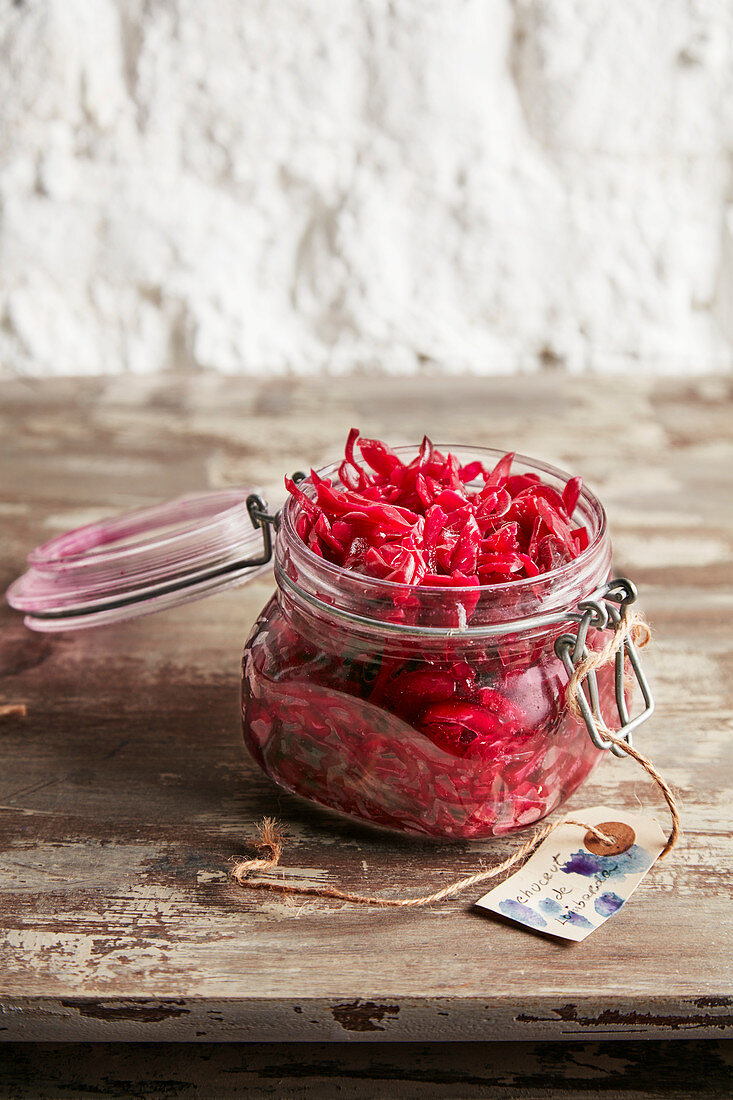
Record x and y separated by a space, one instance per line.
421 521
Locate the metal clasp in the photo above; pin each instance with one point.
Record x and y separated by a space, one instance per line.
266 522
607 610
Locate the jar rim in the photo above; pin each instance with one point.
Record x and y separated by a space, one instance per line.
292 509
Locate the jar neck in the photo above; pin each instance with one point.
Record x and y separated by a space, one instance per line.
358 604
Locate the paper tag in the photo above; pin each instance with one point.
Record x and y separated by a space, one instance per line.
573 883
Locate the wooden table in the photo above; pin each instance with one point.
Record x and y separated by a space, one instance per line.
125 790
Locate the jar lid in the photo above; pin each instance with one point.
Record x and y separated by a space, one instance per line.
145 561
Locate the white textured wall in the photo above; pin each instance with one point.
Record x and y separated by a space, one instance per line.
304 185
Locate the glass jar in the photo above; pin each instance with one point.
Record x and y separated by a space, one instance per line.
439 711
432 711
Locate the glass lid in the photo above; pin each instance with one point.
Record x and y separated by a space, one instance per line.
145 561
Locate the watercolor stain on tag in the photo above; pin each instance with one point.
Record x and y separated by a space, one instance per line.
568 888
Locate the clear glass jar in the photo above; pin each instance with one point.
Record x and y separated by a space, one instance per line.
433 711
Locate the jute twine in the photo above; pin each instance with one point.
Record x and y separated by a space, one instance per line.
270 838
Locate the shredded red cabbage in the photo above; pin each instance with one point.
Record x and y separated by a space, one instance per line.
434 522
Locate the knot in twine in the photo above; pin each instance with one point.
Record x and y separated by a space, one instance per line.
632 628
270 838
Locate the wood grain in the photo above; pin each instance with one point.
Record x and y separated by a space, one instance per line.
125 789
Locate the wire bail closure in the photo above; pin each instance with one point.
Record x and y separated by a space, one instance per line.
607 611
263 521
266 522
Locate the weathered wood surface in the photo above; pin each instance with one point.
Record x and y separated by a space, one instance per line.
126 789
397 1071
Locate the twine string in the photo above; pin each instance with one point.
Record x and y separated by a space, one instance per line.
270 838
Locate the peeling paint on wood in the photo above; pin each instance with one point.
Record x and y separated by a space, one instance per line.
125 789
613 1018
363 1015
147 1012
